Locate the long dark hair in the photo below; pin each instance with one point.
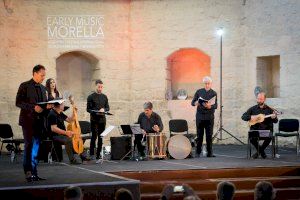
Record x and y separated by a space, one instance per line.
49 90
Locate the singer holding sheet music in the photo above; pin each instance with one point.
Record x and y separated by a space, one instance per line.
206 101
97 105
267 124
150 122
32 119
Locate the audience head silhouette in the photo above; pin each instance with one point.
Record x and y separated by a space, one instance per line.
73 193
123 194
264 190
225 190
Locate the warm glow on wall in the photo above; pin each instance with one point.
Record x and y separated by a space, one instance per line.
187 68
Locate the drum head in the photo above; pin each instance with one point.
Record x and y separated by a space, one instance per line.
179 147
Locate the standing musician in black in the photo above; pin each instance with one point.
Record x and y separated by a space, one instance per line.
150 122
97 105
32 119
266 124
205 115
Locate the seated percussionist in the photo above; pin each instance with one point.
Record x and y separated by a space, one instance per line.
56 126
150 122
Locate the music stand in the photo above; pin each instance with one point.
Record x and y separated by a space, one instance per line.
130 130
104 133
127 131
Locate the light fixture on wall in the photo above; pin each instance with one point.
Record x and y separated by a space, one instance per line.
220 33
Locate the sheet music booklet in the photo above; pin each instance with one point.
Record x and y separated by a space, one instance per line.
136 129
54 101
212 101
107 130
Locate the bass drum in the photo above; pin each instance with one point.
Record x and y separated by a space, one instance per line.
179 147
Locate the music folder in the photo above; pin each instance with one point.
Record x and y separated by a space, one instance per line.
101 113
55 102
126 129
212 101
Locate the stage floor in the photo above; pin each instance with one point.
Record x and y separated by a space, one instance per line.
227 156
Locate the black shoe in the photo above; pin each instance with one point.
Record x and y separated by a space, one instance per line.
75 162
29 179
28 176
37 178
210 155
263 155
255 156
85 158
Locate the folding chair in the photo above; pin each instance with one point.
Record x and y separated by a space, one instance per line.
260 135
7 137
288 128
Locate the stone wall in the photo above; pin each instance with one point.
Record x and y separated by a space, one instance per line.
138 38
160 28
270 28
24 44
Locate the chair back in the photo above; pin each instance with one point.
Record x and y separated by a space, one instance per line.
289 125
6 131
178 125
85 127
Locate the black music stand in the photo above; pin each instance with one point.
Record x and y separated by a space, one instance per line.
126 129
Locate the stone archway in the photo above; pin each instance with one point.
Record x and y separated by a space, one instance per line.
75 72
186 68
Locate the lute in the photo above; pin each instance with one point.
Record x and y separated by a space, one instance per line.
259 118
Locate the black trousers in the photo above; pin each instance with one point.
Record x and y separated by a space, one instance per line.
97 129
138 144
255 142
67 141
208 126
32 139
45 148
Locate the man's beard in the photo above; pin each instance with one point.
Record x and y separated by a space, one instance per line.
260 104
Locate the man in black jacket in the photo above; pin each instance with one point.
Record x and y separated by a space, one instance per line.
97 105
267 124
150 122
205 115
32 119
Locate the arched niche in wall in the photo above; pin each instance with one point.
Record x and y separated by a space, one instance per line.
75 71
185 68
